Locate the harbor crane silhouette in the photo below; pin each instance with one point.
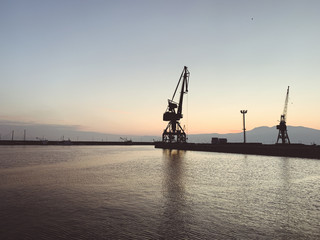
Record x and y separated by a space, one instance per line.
174 132
283 134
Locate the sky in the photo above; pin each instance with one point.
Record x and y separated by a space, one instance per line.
110 66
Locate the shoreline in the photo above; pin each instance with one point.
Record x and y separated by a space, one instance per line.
280 150
70 143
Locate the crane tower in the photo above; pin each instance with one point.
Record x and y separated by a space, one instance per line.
174 132
283 134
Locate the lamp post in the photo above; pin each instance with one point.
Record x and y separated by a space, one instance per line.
244 124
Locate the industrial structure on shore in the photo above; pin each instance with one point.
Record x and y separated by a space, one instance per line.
283 133
174 132
174 136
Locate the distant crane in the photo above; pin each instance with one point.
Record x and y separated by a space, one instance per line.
125 139
283 134
174 132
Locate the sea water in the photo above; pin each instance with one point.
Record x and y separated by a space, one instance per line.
138 192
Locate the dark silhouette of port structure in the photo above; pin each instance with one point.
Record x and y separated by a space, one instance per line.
174 132
174 136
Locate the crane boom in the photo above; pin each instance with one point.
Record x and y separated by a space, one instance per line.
285 109
175 91
184 85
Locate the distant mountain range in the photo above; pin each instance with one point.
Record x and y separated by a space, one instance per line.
267 135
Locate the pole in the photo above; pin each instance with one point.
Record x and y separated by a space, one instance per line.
244 124
12 135
244 128
24 135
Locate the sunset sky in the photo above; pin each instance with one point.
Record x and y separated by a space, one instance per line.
110 66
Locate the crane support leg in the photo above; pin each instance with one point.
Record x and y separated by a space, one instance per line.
283 135
174 133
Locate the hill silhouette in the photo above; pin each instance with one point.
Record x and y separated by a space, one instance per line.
266 135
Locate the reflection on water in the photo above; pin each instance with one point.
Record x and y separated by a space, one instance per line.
284 190
175 212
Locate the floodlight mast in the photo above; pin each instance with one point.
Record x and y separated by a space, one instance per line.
244 124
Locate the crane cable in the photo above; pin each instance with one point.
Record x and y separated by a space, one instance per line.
187 115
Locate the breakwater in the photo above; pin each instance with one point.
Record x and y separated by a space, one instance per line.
286 150
67 142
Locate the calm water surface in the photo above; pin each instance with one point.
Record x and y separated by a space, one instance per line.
138 192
